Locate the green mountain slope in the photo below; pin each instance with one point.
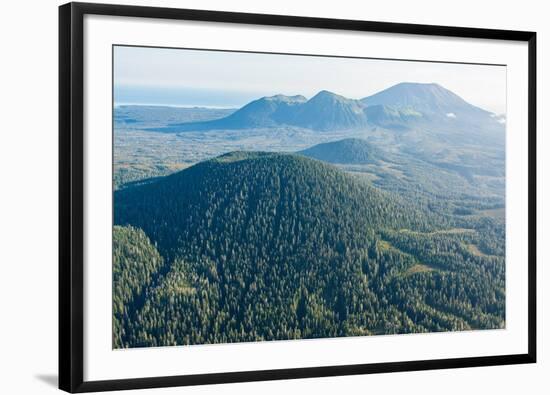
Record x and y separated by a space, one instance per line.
271 194
347 151
264 246
136 263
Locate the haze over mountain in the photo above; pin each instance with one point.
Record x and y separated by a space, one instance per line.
430 106
329 111
265 112
402 106
426 99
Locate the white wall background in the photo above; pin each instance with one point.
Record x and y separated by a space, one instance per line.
28 197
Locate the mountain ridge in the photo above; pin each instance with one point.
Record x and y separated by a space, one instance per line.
400 107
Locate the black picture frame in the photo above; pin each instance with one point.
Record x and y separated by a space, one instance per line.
71 205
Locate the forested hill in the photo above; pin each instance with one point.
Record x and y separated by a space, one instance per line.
264 246
254 198
347 151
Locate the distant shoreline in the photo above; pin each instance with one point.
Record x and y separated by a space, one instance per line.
174 106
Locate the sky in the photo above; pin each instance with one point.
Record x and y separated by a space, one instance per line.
183 77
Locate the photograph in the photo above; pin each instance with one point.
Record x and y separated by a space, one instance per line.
251 197
269 196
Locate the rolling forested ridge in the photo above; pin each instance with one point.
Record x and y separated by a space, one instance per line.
334 234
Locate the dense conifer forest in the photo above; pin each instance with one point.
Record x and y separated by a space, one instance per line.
253 246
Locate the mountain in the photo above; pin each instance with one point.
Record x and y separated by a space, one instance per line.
391 117
262 113
423 98
329 111
408 104
325 111
233 191
347 151
405 106
261 246
265 246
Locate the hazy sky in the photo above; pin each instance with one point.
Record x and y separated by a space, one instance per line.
232 79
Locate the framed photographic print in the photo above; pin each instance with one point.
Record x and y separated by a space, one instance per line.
253 197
